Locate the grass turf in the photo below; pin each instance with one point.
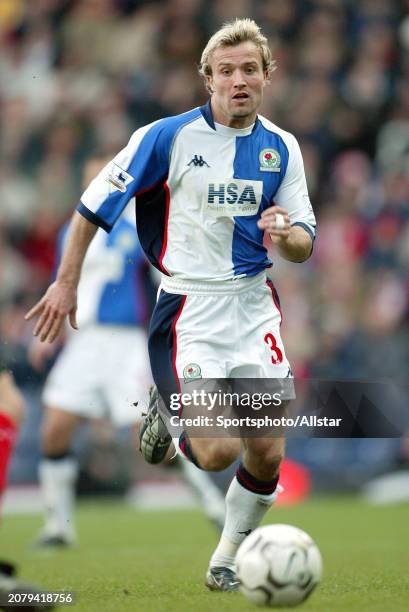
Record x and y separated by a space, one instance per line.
155 562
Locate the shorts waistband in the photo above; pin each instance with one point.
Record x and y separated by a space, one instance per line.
229 287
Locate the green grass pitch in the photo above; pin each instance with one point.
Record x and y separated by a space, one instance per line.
155 561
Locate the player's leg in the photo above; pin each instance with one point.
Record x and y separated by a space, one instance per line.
70 393
11 416
251 493
11 400
126 382
209 495
254 487
155 440
58 474
186 335
202 455
173 345
131 380
209 454
207 492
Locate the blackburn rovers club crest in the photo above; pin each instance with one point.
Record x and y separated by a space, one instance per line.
192 372
270 160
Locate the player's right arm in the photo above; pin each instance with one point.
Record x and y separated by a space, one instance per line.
60 299
136 169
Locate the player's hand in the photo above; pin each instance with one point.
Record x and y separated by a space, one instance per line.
276 222
58 302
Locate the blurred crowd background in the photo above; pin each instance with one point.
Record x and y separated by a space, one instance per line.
79 76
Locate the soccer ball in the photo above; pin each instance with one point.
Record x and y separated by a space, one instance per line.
278 565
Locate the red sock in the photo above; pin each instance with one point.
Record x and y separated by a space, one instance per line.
8 434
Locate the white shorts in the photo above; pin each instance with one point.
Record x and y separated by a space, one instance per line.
101 372
219 330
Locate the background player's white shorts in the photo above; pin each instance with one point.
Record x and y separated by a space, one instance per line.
101 371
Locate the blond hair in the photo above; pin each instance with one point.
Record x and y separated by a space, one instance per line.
233 33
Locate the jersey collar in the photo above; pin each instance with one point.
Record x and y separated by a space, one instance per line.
207 113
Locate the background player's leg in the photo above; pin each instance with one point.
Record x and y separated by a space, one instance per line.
58 474
209 495
250 495
8 432
11 415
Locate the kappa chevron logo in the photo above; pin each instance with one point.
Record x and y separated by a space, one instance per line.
198 160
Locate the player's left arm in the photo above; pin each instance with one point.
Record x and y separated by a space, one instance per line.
294 242
294 235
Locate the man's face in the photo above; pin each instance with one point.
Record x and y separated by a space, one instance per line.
237 82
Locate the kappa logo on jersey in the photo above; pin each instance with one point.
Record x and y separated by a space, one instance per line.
234 197
119 178
198 160
192 372
270 160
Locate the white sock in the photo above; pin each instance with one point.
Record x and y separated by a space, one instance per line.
208 493
244 512
57 480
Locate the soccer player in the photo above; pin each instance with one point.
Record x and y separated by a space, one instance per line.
208 184
11 416
101 369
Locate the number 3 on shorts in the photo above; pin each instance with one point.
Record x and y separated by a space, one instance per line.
277 355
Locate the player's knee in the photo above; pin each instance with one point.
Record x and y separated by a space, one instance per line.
266 462
273 462
216 462
268 466
54 439
18 411
217 457
266 450
11 400
53 446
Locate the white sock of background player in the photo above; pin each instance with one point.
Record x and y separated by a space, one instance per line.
206 490
57 480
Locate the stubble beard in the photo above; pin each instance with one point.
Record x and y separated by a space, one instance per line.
243 113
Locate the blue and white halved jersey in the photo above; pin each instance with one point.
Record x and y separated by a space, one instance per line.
111 290
200 188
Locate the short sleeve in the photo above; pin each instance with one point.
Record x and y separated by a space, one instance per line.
293 192
136 169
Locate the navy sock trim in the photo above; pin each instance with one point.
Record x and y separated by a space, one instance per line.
58 457
186 449
263 487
